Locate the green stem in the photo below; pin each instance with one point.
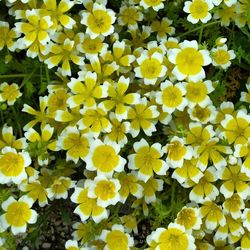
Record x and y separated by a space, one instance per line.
13 76
200 35
198 28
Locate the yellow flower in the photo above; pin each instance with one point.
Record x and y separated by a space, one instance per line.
75 142
95 119
177 151
130 223
8 139
150 67
121 55
86 91
40 116
225 108
35 191
57 100
189 217
212 214
118 131
12 165
63 53
203 114
18 214
197 93
104 158
147 160
57 13
171 97
198 134
9 93
236 129
104 190
87 207
149 189
212 150
245 240
129 185
163 28
92 47
188 61
221 56
59 188
234 180
117 239
198 10
99 21
129 16
188 171
42 143
142 116
232 230
119 99
225 14
205 188
155 4
172 238
8 36
36 32
233 206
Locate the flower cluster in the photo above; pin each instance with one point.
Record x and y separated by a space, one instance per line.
130 126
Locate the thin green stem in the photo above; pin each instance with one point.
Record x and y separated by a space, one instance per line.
47 74
13 76
200 35
198 28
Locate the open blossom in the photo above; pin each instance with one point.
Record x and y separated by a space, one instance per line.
155 4
18 214
9 93
117 238
222 57
198 10
99 21
12 165
188 60
174 237
104 158
150 67
147 160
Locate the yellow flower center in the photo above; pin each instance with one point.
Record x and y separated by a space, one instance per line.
18 213
99 21
151 68
130 15
117 240
105 190
11 164
196 92
176 151
189 61
201 113
171 96
92 46
173 239
199 9
105 158
187 218
221 57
